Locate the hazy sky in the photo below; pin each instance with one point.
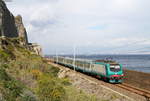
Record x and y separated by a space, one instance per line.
93 26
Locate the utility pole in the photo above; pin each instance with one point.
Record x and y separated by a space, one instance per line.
56 57
90 64
74 56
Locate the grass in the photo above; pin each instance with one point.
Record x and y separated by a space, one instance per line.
78 95
27 77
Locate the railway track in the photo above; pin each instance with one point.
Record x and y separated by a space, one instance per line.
138 91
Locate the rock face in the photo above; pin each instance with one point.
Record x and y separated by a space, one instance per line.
12 27
7 22
21 29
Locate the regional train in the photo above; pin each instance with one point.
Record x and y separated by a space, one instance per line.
109 71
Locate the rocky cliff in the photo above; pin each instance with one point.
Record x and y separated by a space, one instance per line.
7 22
13 27
21 29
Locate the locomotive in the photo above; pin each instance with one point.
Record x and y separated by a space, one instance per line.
109 71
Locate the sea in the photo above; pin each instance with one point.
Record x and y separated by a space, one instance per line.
132 62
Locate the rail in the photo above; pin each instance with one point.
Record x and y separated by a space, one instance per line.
136 90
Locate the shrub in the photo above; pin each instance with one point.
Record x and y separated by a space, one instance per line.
65 81
4 56
3 75
28 96
14 87
36 73
11 89
50 89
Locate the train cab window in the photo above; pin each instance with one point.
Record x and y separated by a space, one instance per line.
115 68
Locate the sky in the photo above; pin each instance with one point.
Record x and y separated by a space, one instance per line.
86 26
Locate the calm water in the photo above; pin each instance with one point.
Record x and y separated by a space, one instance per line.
132 62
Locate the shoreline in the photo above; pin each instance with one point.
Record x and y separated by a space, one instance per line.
137 79
136 71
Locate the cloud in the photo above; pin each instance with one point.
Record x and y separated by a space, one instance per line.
92 25
97 27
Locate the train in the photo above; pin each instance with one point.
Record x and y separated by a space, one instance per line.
109 71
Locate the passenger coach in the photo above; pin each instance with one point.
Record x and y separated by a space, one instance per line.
109 71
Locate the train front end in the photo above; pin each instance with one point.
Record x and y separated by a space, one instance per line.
115 73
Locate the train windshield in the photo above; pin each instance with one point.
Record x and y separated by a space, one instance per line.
115 68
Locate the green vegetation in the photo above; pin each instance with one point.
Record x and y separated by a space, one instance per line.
27 77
